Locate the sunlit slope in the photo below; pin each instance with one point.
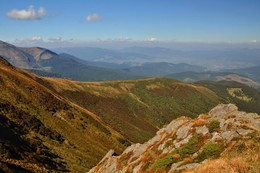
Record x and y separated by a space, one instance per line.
41 130
137 108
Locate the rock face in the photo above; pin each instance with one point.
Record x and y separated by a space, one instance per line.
185 142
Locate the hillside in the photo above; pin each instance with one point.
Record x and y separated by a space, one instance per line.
245 97
16 56
39 53
41 131
223 140
137 108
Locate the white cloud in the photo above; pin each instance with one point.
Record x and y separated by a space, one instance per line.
29 14
152 39
93 17
57 39
34 39
253 41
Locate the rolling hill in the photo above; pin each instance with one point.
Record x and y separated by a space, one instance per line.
137 108
127 105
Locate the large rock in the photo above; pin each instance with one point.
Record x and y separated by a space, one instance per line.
178 135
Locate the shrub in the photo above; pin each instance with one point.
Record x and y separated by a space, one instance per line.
189 148
163 162
213 125
211 150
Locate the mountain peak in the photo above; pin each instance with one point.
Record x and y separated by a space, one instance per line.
187 144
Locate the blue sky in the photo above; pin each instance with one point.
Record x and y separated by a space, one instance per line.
79 21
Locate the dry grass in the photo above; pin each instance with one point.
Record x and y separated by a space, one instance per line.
154 86
236 165
203 116
242 157
199 122
126 86
176 157
187 160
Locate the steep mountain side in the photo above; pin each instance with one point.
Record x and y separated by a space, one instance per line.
42 132
223 140
16 56
137 108
39 53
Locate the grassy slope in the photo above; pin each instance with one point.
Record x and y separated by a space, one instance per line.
137 108
47 125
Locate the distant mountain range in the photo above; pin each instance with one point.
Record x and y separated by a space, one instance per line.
218 59
97 64
43 61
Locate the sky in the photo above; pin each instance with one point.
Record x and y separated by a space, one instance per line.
55 23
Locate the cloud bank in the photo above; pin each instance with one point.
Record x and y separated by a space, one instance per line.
93 17
29 14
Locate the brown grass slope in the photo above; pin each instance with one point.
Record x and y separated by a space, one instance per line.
40 131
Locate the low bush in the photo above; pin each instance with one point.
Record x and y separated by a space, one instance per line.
211 150
213 126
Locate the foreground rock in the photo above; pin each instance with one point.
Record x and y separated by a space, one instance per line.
187 144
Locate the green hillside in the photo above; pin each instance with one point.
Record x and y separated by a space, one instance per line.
246 98
137 108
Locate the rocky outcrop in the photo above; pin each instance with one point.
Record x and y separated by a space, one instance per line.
185 142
